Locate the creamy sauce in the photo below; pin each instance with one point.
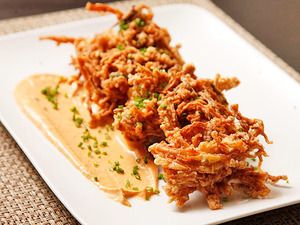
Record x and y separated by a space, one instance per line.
101 154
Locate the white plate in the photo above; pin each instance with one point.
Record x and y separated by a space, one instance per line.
266 92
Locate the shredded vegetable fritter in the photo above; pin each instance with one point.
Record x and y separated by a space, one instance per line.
134 77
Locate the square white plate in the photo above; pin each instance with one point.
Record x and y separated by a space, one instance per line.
266 92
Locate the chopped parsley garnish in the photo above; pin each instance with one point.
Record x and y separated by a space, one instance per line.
139 22
112 75
163 106
51 95
80 145
74 110
135 172
135 188
120 106
128 184
104 153
143 50
161 177
103 144
119 117
139 102
253 159
96 165
77 119
157 96
117 168
96 179
150 191
97 152
120 47
86 136
89 154
123 25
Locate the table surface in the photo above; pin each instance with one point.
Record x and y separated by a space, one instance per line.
274 23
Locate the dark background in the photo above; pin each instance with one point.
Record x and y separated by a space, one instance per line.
276 23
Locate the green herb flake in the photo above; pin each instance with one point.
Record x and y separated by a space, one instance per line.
140 22
135 188
120 47
96 165
119 117
117 168
163 106
139 102
80 145
74 110
161 177
135 172
120 106
51 95
128 184
112 75
253 159
103 144
96 179
156 191
78 121
143 50
157 96
123 25
95 145
86 136
104 153
89 154
97 152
